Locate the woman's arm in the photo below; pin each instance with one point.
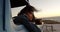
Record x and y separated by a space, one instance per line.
31 27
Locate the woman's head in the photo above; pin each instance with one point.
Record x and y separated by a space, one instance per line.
28 10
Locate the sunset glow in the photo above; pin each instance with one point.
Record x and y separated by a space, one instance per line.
47 8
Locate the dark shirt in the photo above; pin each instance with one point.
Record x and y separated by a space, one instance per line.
22 19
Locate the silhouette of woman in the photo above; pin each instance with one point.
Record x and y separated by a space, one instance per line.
25 16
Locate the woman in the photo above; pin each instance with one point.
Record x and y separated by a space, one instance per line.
25 17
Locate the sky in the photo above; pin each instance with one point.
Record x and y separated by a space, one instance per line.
46 8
